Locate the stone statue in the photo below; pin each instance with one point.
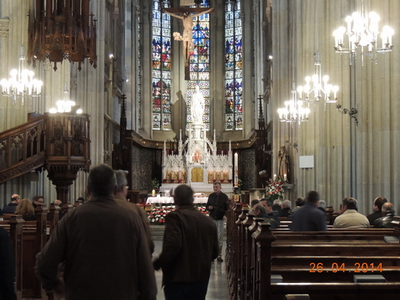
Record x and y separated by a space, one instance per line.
283 163
197 107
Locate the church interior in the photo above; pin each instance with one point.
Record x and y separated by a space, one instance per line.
244 92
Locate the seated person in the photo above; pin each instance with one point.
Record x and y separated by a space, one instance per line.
387 216
350 218
322 206
25 208
253 203
309 217
377 207
267 214
37 200
286 209
299 203
277 205
10 207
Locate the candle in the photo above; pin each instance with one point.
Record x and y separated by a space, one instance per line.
284 177
153 193
274 177
236 159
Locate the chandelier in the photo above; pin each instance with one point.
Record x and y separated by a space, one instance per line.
317 87
21 83
65 106
294 110
363 32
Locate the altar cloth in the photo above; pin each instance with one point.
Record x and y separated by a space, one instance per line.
162 200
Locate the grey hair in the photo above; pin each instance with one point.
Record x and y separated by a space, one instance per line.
121 179
322 204
287 203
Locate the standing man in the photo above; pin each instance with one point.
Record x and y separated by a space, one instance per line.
103 247
308 217
12 206
190 245
217 205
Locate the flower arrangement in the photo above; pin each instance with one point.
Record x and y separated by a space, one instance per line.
157 215
274 189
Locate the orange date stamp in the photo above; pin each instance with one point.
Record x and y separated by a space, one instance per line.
341 267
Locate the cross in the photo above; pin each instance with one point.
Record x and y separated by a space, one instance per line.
186 14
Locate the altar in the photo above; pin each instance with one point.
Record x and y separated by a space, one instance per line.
164 200
197 162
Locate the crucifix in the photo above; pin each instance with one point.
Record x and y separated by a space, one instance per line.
186 14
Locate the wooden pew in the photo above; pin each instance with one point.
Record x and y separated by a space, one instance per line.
31 236
320 263
14 226
299 257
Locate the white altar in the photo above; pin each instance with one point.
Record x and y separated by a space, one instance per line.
196 162
163 200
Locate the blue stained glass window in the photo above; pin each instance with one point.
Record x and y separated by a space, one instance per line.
233 66
161 67
199 64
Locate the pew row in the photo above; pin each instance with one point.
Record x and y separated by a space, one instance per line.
28 238
269 264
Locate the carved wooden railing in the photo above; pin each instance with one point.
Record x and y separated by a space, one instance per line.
22 149
57 142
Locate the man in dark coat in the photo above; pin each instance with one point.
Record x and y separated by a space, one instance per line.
309 217
12 206
190 244
103 246
387 216
377 207
217 205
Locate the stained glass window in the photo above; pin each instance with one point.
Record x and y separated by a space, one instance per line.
233 66
161 67
199 64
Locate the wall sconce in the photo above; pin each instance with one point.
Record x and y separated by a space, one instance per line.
352 112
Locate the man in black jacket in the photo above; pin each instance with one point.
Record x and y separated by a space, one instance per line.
217 205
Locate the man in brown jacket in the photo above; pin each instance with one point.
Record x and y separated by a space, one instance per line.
103 247
190 245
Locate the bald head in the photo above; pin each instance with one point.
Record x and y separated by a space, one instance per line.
15 198
387 208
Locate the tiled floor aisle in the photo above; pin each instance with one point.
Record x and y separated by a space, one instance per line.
217 287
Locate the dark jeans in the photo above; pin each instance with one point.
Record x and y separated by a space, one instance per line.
185 291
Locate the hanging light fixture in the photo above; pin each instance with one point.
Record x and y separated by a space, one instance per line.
363 32
66 105
294 110
317 87
21 83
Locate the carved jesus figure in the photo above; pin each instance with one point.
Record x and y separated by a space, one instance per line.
186 37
